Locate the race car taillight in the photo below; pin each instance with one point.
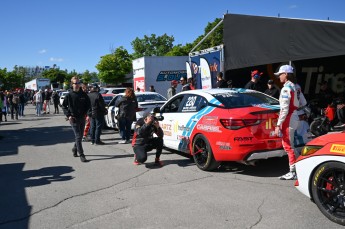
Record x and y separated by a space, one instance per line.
235 124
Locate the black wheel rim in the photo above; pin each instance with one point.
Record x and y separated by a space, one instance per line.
201 152
331 192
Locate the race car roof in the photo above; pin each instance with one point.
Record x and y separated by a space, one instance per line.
257 40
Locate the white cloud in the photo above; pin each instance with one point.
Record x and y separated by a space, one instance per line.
42 51
292 6
54 59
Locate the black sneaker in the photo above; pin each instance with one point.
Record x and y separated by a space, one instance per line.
100 143
82 158
75 154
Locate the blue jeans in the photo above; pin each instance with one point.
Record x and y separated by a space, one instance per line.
78 125
21 109
96 129
38 108
125 126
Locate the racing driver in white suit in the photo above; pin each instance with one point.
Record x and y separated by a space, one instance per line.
288 118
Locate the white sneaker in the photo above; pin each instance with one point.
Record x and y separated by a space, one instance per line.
289 176
123 142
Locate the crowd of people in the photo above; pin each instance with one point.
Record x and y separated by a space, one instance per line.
85 108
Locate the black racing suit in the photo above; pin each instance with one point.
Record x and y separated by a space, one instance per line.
143 140
76 104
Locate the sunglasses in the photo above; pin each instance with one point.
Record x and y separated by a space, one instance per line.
76 83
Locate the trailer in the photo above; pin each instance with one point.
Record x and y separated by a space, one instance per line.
158 71
38 83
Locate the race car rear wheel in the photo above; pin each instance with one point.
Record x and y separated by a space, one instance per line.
203 155
328 190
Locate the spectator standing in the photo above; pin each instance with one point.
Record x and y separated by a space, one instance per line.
272 89
185 85
288 119
143 140
172 90
127 114
13 100
254 83
56 101
3 98
87 118
21 104
152 88
47 97
75 106
39 102
96 114
1 106
221 83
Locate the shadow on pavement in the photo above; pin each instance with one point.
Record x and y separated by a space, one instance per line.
37 136
14 206
273 167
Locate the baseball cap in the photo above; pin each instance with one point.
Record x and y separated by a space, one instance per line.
174 82
284 69
270 82
256 74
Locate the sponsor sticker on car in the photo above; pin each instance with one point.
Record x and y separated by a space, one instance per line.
336 148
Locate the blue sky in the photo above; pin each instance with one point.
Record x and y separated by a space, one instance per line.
74 34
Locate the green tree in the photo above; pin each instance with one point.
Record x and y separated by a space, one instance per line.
214 39
86 77
114 67
13 80
55 75
152 46
3 73
179 50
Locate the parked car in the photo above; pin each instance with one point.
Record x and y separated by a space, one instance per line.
62 96
147 101
222 125
112 90
107 98
321 174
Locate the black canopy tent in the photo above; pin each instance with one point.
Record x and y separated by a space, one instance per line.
256 40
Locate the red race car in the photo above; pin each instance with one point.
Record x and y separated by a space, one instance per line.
321 174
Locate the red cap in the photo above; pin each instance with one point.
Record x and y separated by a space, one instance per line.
174 82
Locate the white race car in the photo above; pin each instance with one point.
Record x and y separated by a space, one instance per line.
146 102
321 174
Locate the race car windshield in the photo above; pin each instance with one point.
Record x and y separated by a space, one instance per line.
232 100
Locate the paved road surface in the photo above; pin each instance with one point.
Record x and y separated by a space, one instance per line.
43 186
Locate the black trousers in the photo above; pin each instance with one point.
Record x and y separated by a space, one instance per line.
141 150
78 126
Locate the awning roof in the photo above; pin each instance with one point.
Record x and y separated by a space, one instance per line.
256 40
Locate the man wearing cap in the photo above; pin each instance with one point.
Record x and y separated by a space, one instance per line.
288 119
272 89
144 139
172 90
254 83
185 84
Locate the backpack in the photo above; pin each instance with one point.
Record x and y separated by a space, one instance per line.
15 99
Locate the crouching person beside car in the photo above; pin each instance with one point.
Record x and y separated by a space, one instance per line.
143 140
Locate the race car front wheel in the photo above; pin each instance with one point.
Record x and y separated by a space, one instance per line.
203 155
328 190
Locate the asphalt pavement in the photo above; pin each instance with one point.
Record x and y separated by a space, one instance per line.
43 186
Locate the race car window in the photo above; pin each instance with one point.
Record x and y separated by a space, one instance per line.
193 103
173 105
233 100
112 103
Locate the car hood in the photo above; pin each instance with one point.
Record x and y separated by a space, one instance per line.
328 138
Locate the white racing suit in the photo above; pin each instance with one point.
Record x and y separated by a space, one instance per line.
303 134
288 119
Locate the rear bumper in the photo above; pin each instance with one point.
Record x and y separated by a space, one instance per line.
258 155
